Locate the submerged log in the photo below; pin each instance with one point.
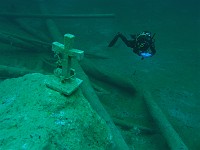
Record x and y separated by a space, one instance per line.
23 42
130 126
114 79
13 72
173 139
38 34
55 16
12 41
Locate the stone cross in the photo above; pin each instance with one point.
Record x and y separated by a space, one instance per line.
69 83
67 52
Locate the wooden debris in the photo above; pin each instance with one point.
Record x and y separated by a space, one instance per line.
173 139
23 42
129 126
12 72
55 16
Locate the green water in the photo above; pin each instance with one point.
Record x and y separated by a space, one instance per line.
172 75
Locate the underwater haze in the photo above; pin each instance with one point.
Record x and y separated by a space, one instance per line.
171 75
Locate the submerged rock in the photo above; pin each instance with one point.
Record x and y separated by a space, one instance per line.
33 116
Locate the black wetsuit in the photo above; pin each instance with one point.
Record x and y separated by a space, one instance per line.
140 43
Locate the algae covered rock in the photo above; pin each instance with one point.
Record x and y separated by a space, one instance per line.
33 116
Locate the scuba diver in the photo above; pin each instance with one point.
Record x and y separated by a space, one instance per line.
142 44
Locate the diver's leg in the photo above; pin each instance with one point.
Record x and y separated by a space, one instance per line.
125 40
114 40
